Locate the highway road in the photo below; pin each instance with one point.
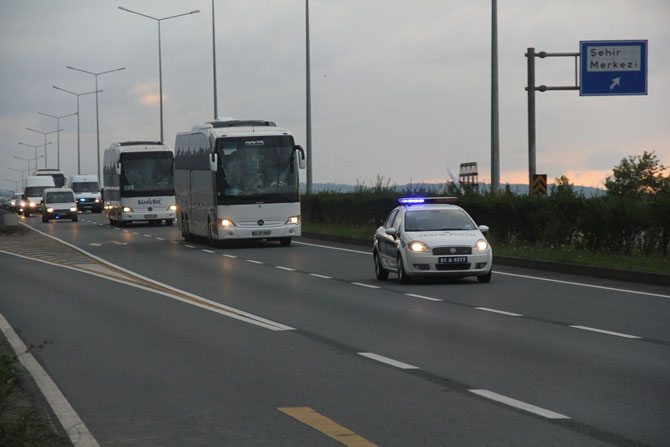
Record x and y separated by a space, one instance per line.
158 342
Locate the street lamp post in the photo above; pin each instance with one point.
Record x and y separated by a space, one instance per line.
97 115
78 134
308 95
45 142
16 183
58 118
160 63
21 171
35 147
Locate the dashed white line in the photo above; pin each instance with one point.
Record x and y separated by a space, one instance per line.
126 231
335 248
253 262
209 251
147 235
423 297
288 269
174 242
518 404
189 246
511 314
602 331
159 239
229 256
135 232
365 285
316 275
387 361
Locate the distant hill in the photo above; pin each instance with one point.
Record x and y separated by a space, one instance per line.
588 191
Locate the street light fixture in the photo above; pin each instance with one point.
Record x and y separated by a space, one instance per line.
58 118
160 63
97 115
35 147
21 171
78 134
16 183
45 142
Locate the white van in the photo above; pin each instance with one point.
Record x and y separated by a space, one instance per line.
87 192
32 195
59 203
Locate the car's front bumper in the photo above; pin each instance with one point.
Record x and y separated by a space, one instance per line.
427 264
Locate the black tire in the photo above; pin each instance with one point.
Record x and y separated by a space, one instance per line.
210 235
285 242
45 219
380 272
484 278
75 219
169 222
402 275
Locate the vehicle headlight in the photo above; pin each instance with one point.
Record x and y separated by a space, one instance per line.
23 203
33 204
73 209
97 200
294 220
127 209
418 247
172 207
225 223
50 210
481 245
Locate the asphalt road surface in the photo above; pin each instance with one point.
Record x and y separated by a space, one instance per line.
158 342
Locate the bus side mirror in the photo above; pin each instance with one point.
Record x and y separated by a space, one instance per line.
117 168
301 157
213 162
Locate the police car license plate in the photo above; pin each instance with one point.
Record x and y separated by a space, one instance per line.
149 216
453 260
261 233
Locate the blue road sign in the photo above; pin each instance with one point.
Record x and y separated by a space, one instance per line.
613 67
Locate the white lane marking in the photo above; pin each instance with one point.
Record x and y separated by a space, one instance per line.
135 232
126 231
253 262
388 361
288 269
146 235
365 285
209 251
174 242
518 404
201 302
117 229
423 297
334 248
189 246
602 331
160 239
230 256
613 289
316 275
486 309
68 418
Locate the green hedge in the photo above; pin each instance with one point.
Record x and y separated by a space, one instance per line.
601 224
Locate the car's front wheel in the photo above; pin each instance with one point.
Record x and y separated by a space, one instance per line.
484 278
402 275
381 273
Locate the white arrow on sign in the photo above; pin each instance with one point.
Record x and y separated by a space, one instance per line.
615 82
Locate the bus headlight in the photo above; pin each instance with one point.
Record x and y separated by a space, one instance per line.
418 247
294 220
127 209
73 209
481 245
227 223
172 208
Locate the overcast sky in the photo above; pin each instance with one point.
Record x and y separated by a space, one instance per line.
399 89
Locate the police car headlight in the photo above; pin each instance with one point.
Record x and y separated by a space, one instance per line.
226 223
50 210
73 209
294 220
97 200
127 209
172 207
481 245
418 247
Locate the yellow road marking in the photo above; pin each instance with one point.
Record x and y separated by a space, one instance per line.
326 426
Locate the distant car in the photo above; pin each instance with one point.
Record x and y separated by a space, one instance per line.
59 203
428 237
15 202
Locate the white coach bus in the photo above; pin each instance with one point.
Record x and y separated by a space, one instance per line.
238 179
139 183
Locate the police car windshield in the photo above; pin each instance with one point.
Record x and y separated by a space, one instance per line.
437 220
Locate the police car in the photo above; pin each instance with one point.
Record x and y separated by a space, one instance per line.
425 237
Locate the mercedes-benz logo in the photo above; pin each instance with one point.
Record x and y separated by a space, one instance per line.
260 222
150 209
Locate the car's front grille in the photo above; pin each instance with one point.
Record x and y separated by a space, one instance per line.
452 266
446 251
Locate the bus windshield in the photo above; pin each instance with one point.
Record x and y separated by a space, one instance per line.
147 173
256 170
80 187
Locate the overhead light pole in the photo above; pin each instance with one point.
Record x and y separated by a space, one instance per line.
160 62
78 133
58 118
309 101
45 142
216 111
21 171
495 128
97 115
16 182
35 147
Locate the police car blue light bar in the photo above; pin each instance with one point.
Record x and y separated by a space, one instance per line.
420 200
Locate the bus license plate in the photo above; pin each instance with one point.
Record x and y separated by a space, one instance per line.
261 233
453 260
149 216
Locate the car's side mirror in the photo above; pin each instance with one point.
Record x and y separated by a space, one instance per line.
213 158
483 228
117 168
391 231
301 157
